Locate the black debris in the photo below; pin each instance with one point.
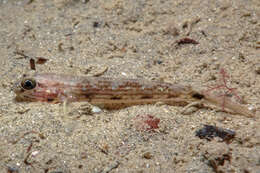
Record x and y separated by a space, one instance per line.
209 132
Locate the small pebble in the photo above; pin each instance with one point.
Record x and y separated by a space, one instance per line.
147 155
96 24
12 170
96 109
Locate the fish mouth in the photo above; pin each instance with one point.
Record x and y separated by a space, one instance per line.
21 94
27 98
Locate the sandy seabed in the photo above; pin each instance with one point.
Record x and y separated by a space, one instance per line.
144 39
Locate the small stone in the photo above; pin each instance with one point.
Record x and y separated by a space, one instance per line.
96 109
12 169
241 57
84 1
257 70
147 155
96 24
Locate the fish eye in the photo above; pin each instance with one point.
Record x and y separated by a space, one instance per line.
28 84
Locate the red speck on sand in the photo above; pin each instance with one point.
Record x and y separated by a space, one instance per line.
146 122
